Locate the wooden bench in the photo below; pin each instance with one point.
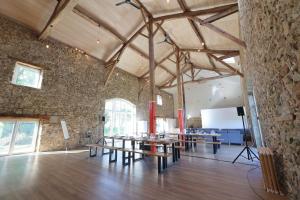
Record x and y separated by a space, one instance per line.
159 155
111 150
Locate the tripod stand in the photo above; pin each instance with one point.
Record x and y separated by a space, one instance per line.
250 153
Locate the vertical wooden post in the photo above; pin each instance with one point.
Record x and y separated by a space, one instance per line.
183 103
179 95
152 102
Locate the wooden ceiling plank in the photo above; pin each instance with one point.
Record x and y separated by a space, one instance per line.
62 8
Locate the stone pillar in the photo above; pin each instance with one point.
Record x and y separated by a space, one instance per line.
271 30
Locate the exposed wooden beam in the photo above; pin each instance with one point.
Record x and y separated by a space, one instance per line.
227 65
183 6
145 36
144 8
197 73
171 60
221 32
179 79
112 69
195 66
97 22
226 56
213 51
151 61
200 80
126 43
211 69
194 13
220 15
158 25
62 8
160 62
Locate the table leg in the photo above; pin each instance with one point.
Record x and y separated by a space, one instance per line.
173 152
123 152
165 159
215 146
133 147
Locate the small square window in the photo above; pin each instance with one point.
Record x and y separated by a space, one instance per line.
159 100
27 75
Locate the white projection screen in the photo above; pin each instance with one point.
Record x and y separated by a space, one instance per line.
222 118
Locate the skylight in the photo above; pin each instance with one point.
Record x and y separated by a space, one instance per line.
229 60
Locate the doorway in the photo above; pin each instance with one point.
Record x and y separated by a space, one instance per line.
18 136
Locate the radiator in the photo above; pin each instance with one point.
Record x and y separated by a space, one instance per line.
268 170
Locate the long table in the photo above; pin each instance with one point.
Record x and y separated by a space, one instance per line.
192 136
144 140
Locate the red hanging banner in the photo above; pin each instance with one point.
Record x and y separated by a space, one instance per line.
152 122
181 123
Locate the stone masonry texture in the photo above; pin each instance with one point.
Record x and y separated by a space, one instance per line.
271 61
72 88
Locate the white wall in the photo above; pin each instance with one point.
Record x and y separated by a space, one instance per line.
221 118
221 93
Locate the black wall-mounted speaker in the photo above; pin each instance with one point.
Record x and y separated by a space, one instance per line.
103 118
240 111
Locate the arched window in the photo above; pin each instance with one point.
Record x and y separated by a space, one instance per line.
120 118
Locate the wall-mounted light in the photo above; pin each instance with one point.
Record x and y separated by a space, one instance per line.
47 46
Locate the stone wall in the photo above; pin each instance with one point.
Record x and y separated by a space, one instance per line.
72 88
271 30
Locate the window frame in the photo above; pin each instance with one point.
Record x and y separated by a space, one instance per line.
26 65
17 121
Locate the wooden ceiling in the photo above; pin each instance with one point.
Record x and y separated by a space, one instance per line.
80 23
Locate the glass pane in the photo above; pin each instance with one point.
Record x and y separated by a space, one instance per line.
6 131
25 137
120 118
27 76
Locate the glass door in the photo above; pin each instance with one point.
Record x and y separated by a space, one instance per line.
6 133
25 137
18 136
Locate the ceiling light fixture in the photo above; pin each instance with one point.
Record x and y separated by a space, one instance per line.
168 1
203 43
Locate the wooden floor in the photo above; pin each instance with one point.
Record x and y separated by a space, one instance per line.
59 176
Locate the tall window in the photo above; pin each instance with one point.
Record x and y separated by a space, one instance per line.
159 100
120 118
18 136
27 75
